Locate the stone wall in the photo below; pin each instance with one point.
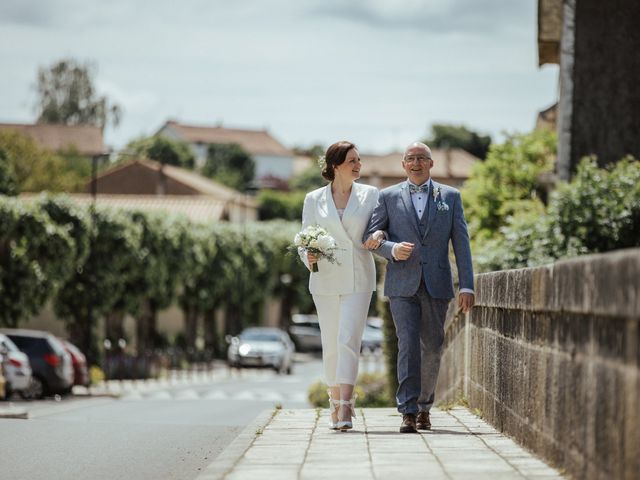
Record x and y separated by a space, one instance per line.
551 356
599 77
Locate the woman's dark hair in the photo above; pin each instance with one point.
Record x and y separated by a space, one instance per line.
336 155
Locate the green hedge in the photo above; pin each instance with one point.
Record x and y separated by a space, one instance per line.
598 211
111 262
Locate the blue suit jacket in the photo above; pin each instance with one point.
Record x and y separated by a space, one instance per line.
394 213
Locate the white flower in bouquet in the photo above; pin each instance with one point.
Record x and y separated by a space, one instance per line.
316 240
325 242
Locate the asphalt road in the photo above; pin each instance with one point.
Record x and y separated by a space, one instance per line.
171 433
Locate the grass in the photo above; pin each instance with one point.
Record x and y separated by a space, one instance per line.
459 401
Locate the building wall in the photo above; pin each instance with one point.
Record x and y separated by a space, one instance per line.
266 165
551 356
605 102
272 165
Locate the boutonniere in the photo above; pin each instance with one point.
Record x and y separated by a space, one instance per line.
441 206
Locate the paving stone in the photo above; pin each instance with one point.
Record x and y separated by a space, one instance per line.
297 444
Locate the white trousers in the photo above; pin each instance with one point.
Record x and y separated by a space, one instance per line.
342 319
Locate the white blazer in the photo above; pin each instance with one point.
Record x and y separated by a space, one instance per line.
355 270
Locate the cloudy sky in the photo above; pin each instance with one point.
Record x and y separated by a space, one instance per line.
377 72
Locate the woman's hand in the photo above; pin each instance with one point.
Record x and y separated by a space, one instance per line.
311 259
374 241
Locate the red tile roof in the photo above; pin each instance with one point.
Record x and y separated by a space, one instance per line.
255 142
87 139
194 181
450 163
198 208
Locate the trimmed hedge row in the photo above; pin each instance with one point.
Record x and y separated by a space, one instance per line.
108 263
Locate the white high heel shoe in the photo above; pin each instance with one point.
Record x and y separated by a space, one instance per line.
334 406
344 425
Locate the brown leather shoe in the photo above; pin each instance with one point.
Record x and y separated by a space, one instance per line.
408 423
423 422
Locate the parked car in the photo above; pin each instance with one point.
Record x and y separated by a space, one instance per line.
305 332
50 362
3 382
17 368
262 347
372 338
79 362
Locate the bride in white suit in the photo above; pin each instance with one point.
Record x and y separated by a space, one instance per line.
342 291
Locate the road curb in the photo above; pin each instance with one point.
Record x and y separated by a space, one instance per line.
12 412
231 455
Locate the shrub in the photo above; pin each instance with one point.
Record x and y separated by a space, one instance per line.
280 205
371 389
599 210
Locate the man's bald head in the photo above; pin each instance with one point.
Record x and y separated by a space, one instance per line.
417 148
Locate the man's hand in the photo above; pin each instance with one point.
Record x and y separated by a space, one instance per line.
403 250
374 240
466 301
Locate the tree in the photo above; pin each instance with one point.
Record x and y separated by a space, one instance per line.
102 279
66 95
161 149
36 256
163 254
230 164
8 180
308 180
280 205
314 151
75 170
459 136
291 275
36 170
507 181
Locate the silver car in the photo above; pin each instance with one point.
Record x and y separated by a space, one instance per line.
262 347
17 369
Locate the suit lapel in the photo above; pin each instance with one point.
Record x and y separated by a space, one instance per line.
323 203
332 211
431 208
355 201
408 205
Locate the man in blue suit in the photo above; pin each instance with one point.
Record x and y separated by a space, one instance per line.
420 218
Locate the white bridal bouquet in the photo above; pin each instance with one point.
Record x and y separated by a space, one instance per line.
316 240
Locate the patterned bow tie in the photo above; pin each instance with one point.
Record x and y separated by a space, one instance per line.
420 189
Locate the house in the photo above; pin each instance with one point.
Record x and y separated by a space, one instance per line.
274 162
149 185
86 139
450 167
548 118
596 45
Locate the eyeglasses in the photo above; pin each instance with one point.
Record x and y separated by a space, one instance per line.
416 159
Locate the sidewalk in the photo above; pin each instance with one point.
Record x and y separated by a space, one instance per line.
296 444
